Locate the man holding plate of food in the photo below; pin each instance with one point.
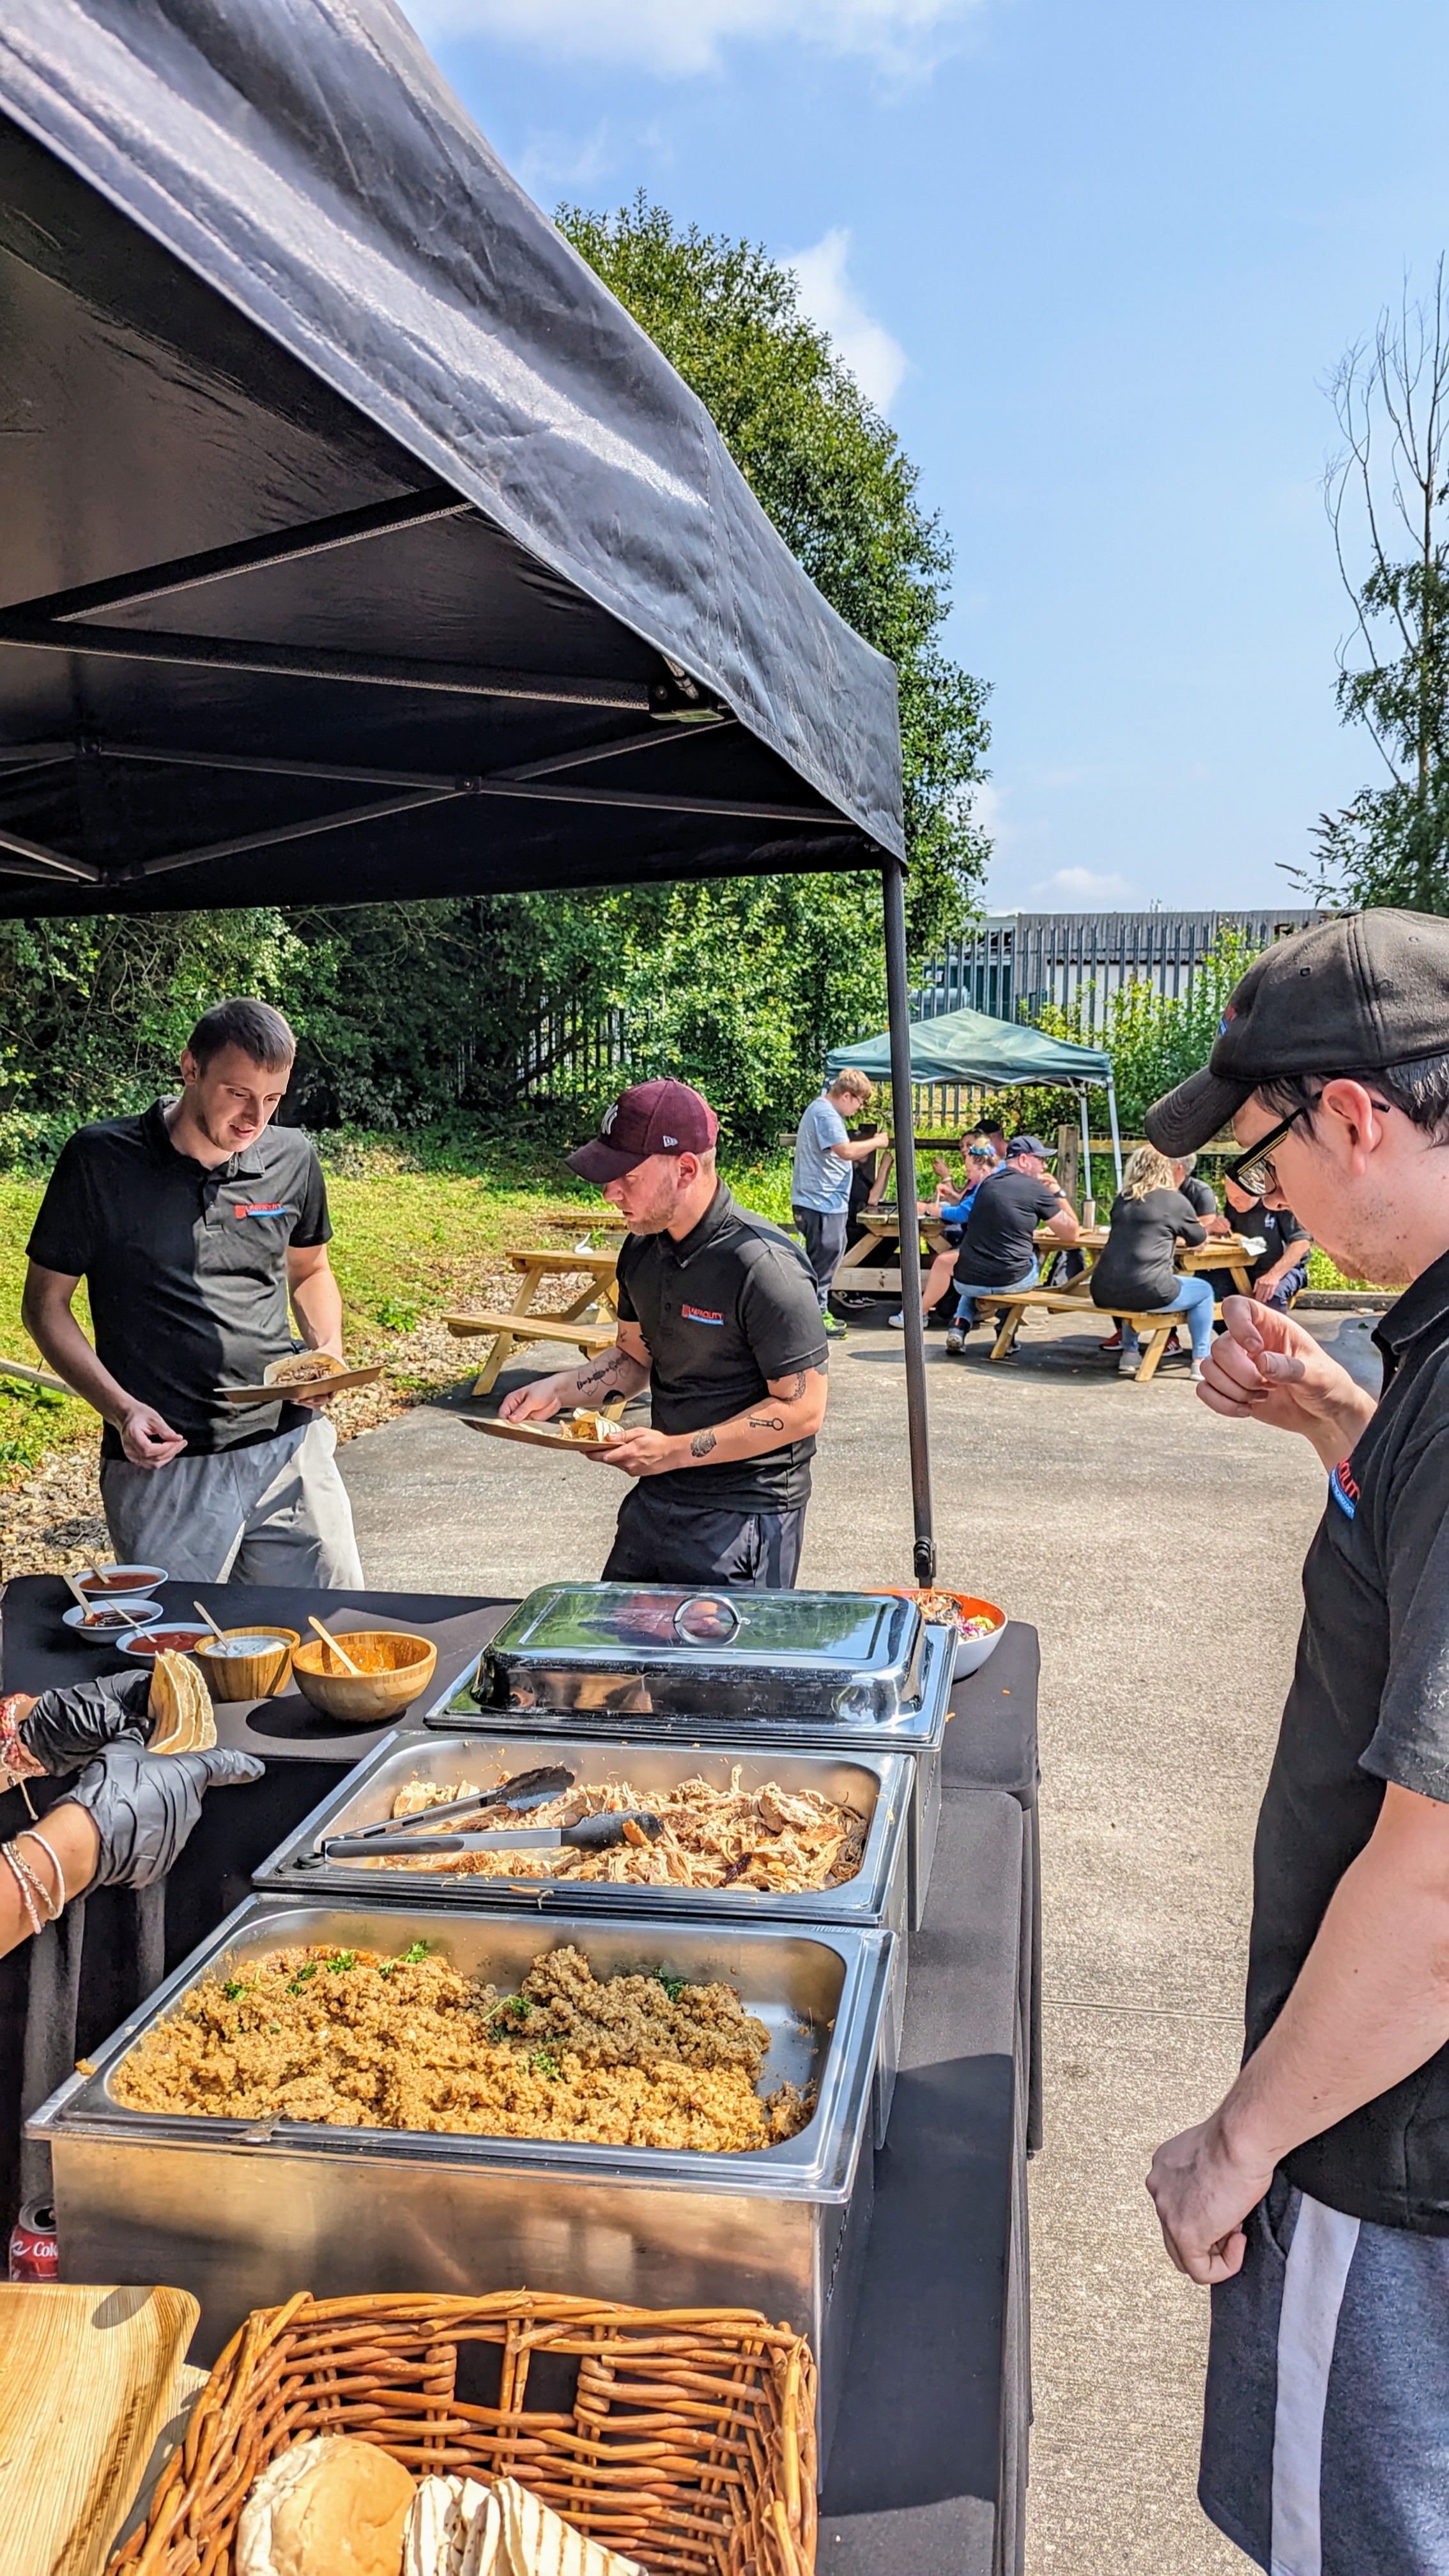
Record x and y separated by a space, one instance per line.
195 1225
719 1318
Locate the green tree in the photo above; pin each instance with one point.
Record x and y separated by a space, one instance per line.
1390 843
833 477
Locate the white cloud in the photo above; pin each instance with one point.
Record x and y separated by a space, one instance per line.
864 345
1081 888
682 36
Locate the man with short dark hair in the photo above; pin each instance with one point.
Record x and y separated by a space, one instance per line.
1315 2199
193 1226
718 1316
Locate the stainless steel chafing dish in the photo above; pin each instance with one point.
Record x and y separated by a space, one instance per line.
658 1651
245 2215
876 1785
838 1671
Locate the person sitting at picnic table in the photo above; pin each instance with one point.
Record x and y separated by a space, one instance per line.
1200 1198
820 1181
1277 1272
1135 1266
997 1251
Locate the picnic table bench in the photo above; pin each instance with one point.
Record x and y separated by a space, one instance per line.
514 1327
1153 1330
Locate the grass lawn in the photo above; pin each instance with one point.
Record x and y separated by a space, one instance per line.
411 1237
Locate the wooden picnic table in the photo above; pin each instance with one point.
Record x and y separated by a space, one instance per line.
1220 1252
860 1272
602 1220
513 1327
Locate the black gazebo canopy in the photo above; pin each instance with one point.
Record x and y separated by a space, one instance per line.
354 542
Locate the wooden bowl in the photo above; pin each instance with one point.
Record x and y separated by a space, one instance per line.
396 1668
258 1676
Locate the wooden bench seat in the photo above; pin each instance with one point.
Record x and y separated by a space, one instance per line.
1153 1330
515 1330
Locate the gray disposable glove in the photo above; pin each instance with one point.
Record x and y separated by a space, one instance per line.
145 1805
68 1727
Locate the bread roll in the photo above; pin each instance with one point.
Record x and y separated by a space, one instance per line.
331 2507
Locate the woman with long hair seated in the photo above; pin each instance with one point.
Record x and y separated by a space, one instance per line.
1149 1220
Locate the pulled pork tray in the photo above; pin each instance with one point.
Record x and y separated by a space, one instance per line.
774 1840
357 2039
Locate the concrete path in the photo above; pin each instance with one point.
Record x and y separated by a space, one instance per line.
1157 1549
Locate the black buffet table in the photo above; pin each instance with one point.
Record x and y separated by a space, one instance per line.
928 2468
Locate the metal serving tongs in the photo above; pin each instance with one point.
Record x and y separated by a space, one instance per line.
592 1833
526 1789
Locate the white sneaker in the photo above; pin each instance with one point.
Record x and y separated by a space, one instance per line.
1195 1373
898 1322
955 1341
1129 1363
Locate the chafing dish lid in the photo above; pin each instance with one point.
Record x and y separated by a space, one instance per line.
609 1626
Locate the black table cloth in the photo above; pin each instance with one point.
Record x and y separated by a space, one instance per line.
928 2467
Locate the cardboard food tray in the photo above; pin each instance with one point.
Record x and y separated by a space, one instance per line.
286 1394
537 1435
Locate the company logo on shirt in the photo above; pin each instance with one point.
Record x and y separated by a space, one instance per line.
1343 1485
262 1207
699 1315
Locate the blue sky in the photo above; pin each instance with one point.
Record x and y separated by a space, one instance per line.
1096 258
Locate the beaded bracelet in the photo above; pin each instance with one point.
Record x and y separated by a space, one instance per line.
16 1759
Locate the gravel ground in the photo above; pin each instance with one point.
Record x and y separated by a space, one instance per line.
53 1523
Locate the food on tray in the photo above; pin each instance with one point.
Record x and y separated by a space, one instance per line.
596 1428
329 2507
303 1368
777 1841
943 1610
459 2528
180 1703
354 2039
166 1641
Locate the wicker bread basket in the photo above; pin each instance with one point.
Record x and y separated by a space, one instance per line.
684 2437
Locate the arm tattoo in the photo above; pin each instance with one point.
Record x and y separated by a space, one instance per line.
605 1368
798 1389
701 1445
766 1422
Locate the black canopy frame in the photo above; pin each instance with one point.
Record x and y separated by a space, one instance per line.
356 543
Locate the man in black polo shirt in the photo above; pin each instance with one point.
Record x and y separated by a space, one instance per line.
193 1225
1316 2197
719 1316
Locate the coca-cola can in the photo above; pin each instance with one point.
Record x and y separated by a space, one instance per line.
34 2253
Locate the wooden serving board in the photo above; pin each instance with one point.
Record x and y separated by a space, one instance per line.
88 2378
537 1435
284 1394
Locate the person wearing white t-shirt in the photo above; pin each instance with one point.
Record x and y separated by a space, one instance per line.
820 1181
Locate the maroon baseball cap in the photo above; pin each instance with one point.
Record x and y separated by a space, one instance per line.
652 1118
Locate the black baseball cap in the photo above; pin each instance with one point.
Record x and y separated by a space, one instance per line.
1356 995
651 1118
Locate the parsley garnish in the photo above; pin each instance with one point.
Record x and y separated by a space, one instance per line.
673 1986
237 1987
544 2062
341 1960
303 1975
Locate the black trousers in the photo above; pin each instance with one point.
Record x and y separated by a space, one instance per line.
663 1540
824 1234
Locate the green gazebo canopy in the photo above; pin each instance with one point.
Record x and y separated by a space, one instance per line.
967 1046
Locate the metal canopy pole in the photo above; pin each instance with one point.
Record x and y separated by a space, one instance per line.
1087 1190
1116 1139
893 890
